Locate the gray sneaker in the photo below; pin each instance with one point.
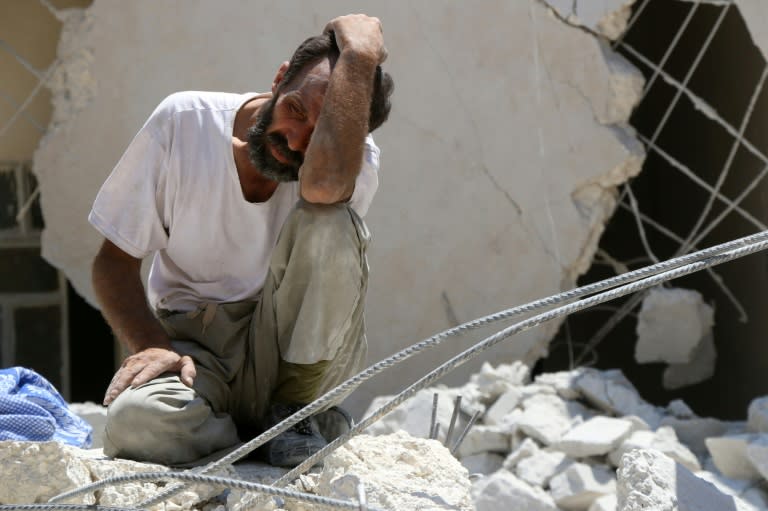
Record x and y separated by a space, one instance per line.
334 422
296 444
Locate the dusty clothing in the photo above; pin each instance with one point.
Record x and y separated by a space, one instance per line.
311 309
176 192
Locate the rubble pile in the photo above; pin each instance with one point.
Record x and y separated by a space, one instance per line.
584 440
581 440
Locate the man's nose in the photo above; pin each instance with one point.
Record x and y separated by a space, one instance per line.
298 138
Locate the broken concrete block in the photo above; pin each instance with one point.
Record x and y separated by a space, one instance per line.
492 381
663 440
503 490
650 480
693 432
578 486
548 417
671 324
399 472
757 415
564 382
38 471
481 438
757 454
679 409
612 392
541 466
504 405
729 454
484 463
595 437
736 487
604 503
527 448
535 389
700 368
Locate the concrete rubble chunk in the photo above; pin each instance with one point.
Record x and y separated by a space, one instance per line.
729 454
748 491
541 466
481 438
527 448
495 381
577 487
663 440
678 408
604 503
757 415
504 405
650 480
548 417
503 490
757 454
693 432
671 324
612 392
595 437
564 382
485 463
700 368
398 471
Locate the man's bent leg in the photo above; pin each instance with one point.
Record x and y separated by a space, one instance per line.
164 421
313 300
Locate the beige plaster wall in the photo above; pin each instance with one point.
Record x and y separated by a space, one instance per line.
499 162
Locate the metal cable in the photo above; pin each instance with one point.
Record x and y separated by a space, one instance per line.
511 330
211 480
65 507
352 383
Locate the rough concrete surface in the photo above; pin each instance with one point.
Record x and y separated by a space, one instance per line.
542 139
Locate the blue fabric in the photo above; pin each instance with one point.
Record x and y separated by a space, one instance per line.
32 409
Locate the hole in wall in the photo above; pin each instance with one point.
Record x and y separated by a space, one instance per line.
726 78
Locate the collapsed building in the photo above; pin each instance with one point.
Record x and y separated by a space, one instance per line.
540 144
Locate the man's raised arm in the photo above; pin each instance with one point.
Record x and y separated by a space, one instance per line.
335 152
118 287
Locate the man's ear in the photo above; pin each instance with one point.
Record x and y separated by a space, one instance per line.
279 76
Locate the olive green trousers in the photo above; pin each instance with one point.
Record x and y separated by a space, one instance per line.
310 310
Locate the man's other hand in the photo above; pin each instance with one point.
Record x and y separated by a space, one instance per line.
146 365
359 33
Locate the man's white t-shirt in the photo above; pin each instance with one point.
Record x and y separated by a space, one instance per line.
176 192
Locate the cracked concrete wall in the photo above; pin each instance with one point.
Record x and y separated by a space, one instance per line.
500 161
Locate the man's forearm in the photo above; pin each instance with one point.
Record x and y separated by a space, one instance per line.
118 287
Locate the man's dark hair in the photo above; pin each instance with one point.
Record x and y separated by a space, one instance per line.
321 46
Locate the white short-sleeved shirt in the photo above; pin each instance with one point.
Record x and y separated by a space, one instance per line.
176 192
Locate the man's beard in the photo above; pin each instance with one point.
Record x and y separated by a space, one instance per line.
260 154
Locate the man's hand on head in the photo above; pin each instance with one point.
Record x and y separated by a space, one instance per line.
146 365
359 33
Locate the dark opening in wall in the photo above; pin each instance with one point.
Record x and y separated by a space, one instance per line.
728 79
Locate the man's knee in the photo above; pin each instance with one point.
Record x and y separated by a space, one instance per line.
332 226
168 425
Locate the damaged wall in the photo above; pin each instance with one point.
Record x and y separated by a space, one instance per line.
499 163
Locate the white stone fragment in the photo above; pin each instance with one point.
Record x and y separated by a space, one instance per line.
96 416
729 454
564 382
398 471
604 503
700 368
612 392
503 490
671 324
663 440
548 417
757 415
649 480
680 409
536 389
577 487
693 432
527 448
745 490
495 381
541 466
482 438
484 463
757 454
595 437
504 405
